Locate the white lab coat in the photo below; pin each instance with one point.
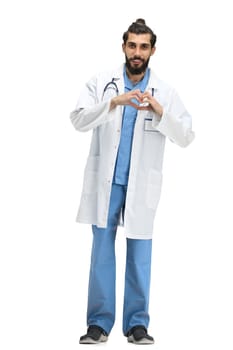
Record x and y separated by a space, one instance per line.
145 176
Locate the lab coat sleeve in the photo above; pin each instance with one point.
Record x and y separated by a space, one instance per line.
90 112
176 122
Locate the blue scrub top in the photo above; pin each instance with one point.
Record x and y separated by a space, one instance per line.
122 166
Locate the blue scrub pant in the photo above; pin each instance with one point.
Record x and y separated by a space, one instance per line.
101 291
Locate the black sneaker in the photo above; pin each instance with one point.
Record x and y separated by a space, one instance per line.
95 335
138 335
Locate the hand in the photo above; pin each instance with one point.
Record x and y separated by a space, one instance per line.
129 98
145 101
150 103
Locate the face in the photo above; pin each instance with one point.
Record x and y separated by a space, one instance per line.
137 51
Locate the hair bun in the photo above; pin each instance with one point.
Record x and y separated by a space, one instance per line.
141 21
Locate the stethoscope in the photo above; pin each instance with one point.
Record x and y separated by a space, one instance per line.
113 85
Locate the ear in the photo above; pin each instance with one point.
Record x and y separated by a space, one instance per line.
153 50
123 47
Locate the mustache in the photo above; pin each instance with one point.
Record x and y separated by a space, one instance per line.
136 58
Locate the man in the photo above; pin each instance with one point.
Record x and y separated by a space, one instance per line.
131 113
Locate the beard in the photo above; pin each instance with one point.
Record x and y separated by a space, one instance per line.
136 70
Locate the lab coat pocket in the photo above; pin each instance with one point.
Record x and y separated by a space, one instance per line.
153 188
148 125
91 174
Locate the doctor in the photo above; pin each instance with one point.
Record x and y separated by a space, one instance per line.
131 113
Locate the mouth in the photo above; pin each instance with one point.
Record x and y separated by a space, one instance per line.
136 61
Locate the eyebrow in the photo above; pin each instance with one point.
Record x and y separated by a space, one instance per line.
133 42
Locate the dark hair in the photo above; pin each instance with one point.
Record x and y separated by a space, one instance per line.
140 27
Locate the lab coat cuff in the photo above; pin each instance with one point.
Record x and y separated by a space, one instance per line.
174 129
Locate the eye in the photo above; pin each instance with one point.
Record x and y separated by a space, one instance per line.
145 46
131 45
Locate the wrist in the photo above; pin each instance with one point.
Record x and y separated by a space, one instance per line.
113 103
160 111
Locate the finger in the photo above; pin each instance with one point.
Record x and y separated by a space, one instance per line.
136 98
135 105
145 103
140 107
137 94
144 108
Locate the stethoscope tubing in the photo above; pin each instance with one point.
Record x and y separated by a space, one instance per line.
115 87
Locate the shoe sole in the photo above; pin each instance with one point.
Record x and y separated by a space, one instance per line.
143 341
89 340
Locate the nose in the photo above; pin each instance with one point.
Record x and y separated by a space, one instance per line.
137 51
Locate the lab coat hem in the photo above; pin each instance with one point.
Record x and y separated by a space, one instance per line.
127 235
139 236
87 222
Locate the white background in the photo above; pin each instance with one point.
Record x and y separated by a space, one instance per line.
48 50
